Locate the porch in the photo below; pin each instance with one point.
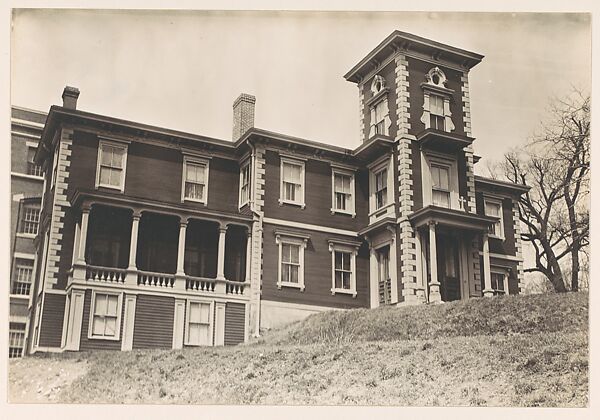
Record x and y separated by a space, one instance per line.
447 243
150 249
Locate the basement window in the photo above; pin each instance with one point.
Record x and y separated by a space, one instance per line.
499 281
199 323
105 316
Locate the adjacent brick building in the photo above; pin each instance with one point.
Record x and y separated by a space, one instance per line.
151 237
26 191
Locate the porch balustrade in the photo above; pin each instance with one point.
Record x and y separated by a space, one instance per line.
132 276
149 278
105 274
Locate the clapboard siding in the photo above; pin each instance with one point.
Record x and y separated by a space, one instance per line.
153 322
235 317
95 343
52 321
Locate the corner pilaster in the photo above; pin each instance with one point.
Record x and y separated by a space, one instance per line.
466 99
518 245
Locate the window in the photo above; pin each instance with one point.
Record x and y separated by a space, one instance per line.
343 267
440 185
381 111
199 324
292 182
112 159
494 208
54 167
291 260
16 340
105 320
499 282
245 184
38 317
380 189
22 276
343 192
32 168
30 220
195 180
436 112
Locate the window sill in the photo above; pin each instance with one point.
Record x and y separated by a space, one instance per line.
110 187
191 200
502 238
291 285
344 292
381 211
97 337
344 212
293 203
27 176
17 296
26 235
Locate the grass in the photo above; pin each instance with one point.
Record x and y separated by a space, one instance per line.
513 351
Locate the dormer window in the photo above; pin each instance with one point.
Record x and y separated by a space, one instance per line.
436 101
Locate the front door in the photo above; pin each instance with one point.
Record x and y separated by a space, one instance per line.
448 267
383 268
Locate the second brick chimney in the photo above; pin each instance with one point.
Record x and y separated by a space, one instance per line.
243 115
69 96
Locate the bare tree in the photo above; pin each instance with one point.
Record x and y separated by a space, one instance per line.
556 165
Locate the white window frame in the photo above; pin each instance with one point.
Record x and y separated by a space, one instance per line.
211 322
195 161
245 200
495 200
115 144
290 161
22 221
351 206
504 272
384 163
429 159
37 168
352 249
117 335
12 334
16 266
291 239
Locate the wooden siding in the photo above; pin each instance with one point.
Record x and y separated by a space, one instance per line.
317 273
155 173
498 246
417 70
235 321
94 343
52 321
317 196
153 322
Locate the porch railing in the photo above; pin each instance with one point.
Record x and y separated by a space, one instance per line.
149 278
106 274
200 284
234 287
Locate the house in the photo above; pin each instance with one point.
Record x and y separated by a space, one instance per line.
154 238
26 192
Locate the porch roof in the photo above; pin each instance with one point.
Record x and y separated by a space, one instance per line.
82 197
443 141
453 218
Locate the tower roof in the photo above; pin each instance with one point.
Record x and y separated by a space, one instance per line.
412 45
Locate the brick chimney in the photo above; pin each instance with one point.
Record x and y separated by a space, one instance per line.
69 96
243 115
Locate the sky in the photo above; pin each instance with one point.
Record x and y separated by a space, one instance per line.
183 69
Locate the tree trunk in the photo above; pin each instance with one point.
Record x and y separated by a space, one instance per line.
575 266
556 277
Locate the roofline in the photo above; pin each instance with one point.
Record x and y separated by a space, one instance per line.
22 108
503 184
297 140
414 39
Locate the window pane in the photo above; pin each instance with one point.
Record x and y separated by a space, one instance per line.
100 306
340 201
204 313
110 327
294 274
112 305
436 105
115 177
285 272
345 261
492 209
295 254
291 173
289 191
98 326
194 312
346 280
338 280
338 260
117 158
444 178
106 155
194 334
441 198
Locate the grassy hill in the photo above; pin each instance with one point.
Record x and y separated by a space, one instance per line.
510 351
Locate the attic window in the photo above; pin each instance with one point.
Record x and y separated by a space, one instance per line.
378 84
436 77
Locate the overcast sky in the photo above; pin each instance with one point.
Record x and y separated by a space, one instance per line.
182 70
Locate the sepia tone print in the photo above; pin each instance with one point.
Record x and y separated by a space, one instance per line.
269 268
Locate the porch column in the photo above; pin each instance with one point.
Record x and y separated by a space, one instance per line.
181 248
421 283
434 286
487 275
85 215
135 223
374 278
248 255
221 255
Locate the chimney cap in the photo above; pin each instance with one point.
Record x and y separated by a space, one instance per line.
70 91
246 98
69 97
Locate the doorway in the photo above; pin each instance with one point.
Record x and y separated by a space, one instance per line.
383 273
449 269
